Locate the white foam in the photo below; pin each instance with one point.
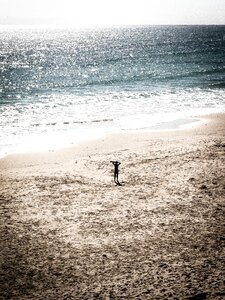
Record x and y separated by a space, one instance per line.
61 120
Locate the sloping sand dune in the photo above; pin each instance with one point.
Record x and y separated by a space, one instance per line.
68 232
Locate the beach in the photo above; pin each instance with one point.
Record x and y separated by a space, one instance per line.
69 232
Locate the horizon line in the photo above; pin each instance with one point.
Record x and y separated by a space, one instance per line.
107 25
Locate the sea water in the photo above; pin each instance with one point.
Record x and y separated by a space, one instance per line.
62 86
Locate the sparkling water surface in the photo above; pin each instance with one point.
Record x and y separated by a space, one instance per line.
62 86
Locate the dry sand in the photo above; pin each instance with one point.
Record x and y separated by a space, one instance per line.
68 232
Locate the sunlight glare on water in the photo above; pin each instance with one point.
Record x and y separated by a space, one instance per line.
60 85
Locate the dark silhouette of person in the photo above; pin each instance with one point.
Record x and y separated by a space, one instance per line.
116 170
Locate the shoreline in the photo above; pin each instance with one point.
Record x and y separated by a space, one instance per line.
168 126
68 231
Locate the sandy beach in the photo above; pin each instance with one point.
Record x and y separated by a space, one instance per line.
69 232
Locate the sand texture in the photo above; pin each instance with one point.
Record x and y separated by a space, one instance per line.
68 232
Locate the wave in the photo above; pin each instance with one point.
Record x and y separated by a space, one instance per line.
93 121
73 122
192 74
220 85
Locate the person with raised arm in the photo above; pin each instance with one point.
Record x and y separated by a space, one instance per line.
116 170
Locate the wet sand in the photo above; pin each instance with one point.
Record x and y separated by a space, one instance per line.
68 232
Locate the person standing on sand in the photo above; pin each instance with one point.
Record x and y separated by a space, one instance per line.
116 170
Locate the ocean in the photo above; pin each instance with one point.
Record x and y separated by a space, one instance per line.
62 86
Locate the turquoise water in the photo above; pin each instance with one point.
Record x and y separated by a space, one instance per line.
60 86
